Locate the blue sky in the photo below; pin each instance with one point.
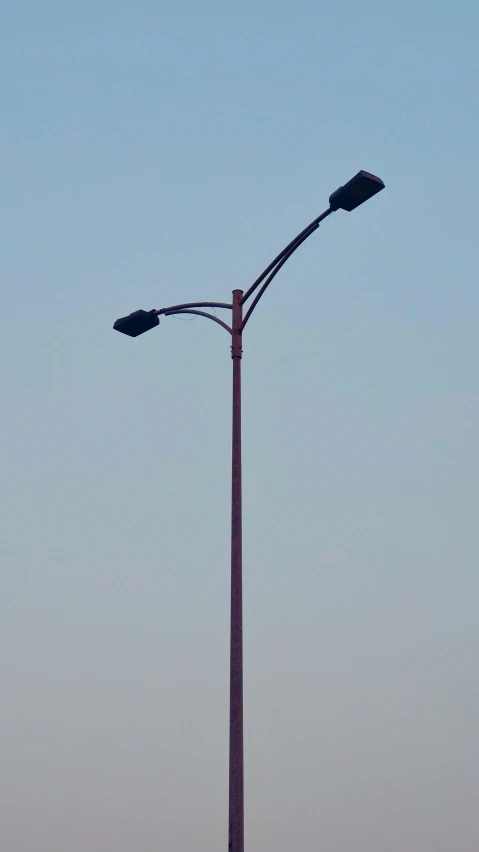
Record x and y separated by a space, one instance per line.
154 154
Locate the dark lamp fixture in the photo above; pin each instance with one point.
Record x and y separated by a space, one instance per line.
137 323
359 189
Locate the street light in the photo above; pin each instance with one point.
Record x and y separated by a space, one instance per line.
359 189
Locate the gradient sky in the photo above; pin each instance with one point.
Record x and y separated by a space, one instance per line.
157 153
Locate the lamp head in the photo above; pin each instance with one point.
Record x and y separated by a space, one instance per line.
137 323
356 191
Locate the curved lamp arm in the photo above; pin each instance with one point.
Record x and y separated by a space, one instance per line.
289 249
168 313
297 243
279 261
187 305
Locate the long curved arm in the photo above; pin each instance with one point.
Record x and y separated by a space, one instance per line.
279 261
275 272
168 313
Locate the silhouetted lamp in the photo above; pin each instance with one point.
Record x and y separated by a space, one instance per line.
359 189
137 323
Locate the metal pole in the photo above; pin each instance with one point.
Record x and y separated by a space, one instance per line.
236 783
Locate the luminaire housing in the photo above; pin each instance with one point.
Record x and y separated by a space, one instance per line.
137 323
356 191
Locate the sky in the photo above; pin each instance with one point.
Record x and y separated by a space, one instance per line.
159 153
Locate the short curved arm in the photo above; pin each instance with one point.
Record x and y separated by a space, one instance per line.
168 312
279 261
188 305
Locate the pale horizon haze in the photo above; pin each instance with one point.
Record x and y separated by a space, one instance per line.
158 153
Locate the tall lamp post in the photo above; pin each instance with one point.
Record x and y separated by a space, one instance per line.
359 189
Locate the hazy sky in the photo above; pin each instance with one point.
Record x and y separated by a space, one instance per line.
157 153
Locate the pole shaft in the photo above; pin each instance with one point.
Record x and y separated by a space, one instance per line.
236 780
